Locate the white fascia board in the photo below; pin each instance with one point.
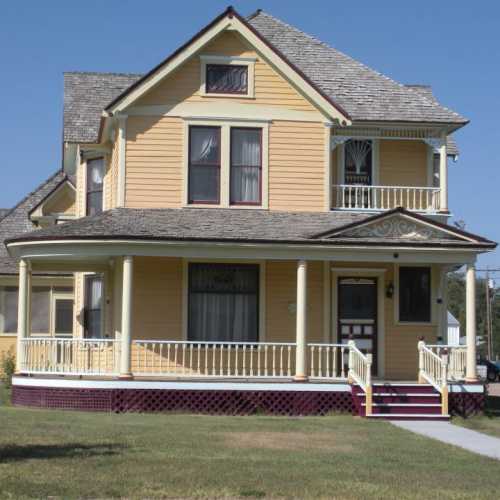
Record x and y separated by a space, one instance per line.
88 250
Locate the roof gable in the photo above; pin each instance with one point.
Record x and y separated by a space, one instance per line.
230 20
402 225
364 93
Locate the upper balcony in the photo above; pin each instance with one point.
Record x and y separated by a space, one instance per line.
383 173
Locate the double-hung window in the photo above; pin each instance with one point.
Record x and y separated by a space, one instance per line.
415 294
246 166
204 164
223 302
225 165
95 177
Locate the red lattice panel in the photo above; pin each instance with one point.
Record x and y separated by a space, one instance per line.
292 403
466 404
63 399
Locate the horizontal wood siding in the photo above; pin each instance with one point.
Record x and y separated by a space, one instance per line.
281 299
154 162
296 166
403 163
184 84
157 298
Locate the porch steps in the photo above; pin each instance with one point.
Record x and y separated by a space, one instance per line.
400 401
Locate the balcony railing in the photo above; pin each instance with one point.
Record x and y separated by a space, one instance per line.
363 197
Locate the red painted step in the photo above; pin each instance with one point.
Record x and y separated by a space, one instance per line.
400 401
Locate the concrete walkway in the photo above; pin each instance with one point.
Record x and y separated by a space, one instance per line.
452 434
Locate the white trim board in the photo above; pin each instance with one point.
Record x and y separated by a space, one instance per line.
176 385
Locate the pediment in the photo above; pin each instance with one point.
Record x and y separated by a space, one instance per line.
399 227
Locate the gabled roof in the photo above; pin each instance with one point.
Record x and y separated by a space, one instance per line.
359 92
402 226
17 221
364 93
248 226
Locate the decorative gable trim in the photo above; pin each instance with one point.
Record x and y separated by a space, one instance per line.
231 20
402 224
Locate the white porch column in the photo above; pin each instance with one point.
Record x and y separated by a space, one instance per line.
470 310
301 332
126 326
443 175
22 311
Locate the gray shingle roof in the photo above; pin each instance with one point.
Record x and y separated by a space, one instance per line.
222 225
85 97
16 221
364 93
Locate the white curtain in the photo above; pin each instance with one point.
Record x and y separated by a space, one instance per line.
223 303
245 165
204 145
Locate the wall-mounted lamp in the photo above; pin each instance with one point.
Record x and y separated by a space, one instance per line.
389 291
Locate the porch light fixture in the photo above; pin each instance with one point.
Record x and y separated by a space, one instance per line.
389 291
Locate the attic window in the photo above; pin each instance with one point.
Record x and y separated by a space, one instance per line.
226 79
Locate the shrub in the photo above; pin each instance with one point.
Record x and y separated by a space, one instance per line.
8 367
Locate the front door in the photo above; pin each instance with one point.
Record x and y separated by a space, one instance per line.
357 314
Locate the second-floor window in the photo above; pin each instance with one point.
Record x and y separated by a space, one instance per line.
204 164
358 162
226 79
246 166
95 177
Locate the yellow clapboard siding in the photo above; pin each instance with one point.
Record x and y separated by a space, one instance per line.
287 175
403 163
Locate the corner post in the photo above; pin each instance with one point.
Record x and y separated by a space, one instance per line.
301 325
444 384
350 361
443 175
369 390
122 152
421 378
126 323
470 311
22 312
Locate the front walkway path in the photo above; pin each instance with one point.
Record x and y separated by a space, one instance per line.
452 434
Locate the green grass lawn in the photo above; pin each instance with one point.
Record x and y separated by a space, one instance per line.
74 454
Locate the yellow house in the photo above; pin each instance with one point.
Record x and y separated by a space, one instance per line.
262 222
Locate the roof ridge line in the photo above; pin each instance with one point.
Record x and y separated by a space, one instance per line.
100 73
365 66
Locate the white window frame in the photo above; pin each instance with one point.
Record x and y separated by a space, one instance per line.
225 161
55 296
249 62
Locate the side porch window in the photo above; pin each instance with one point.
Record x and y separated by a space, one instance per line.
94 284
223 303
415 294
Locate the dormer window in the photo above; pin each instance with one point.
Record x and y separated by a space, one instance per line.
226 79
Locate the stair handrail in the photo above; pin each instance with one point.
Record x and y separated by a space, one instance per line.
434 370
360 371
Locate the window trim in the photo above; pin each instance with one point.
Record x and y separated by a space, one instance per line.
87 192
225 126
206 60
190 200
243 203
432 296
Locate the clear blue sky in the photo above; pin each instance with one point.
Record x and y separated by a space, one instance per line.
453 46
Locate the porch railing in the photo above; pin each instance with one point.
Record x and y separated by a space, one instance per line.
360 371
328 361
362 197
70 356
433 369
456 356
213 359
